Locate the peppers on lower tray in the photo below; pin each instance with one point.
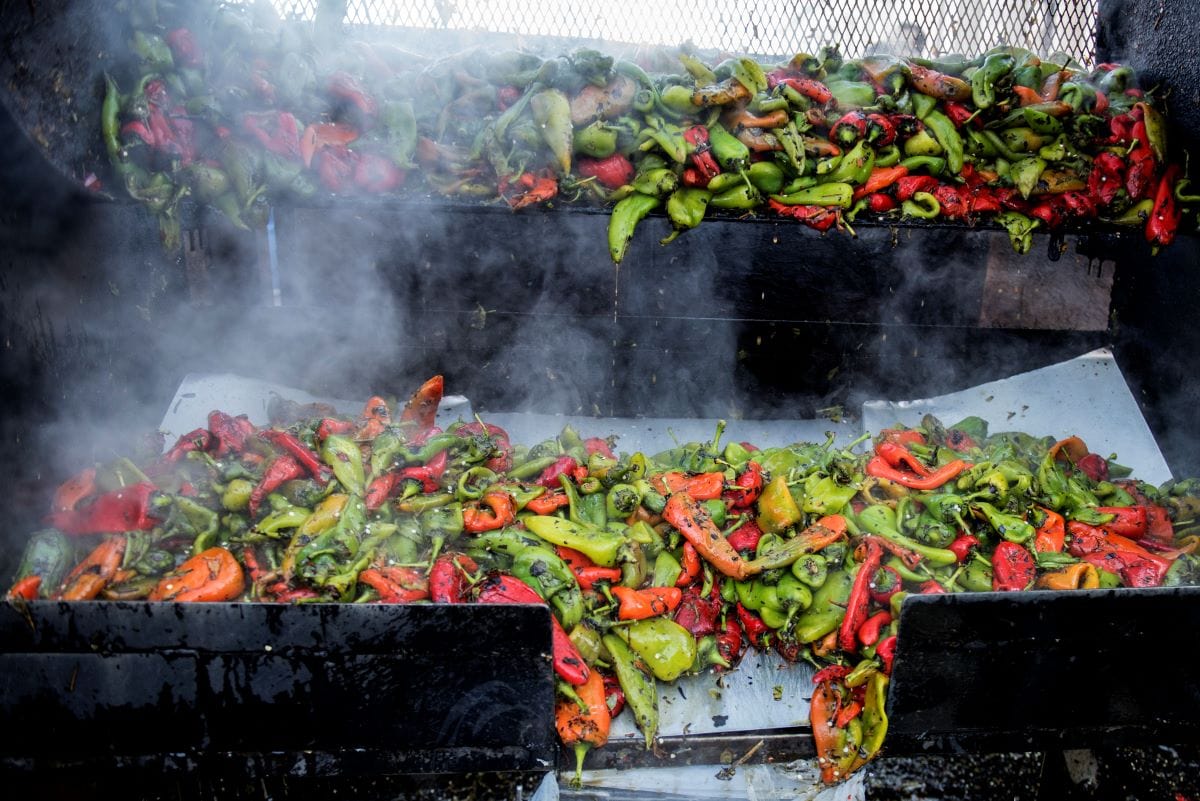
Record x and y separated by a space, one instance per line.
239 109
807 549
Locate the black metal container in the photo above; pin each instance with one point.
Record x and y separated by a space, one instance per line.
740 317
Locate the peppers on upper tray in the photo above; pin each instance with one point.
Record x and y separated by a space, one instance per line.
214 108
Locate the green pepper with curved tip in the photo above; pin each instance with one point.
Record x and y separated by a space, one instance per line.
743 197
1020 230
922 206
638 684
624 220
881 520
552 114
1010 527
983 80
887 156
934 165
600 545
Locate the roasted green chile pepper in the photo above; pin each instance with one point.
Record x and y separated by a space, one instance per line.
686 208
343 455
638 684
983 80
881 520
827 609
922 206
838 194
624 220
947 136
666 648
599 545
743 197
812 569
48 554
731 153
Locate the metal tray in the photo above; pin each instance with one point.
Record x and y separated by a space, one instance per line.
274 690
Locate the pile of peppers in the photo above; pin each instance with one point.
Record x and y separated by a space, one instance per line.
238 109
654 566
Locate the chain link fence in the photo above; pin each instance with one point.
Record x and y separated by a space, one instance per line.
762 27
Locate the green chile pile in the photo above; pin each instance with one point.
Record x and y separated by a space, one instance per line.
238 109
654 566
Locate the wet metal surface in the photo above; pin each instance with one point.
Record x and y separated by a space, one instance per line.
316 689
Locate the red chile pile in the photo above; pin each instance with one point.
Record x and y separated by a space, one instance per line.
654 566
238 109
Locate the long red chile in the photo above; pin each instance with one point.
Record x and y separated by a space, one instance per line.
860 596
283 468
303 454
125 509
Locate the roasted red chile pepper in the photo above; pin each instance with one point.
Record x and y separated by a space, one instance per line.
963 545
860 595
303 454
884 584
746 537
869 631
700 152
199 440
746 489
397 585
756 630
1165 216
1128 521
282 469
230 432
126 509
611 172
879 468
1013 568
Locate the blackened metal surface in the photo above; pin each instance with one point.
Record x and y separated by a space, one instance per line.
1159 41
1025 671
52 57
312 689
942 777
1157 344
